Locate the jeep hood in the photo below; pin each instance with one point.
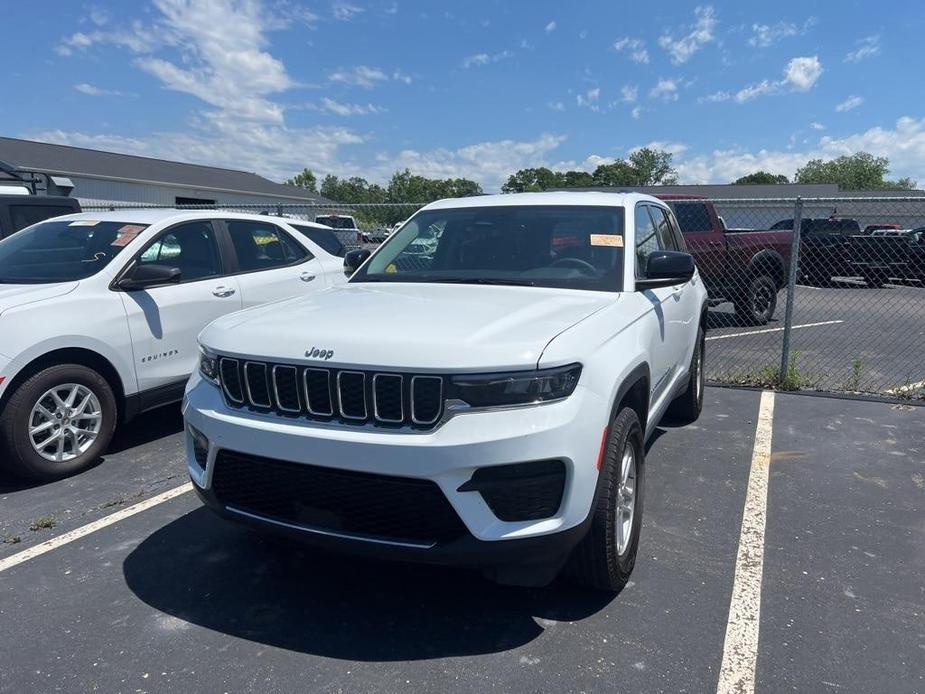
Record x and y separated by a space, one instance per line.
13 295
408 326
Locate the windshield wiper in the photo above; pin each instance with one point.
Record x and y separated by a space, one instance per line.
485 280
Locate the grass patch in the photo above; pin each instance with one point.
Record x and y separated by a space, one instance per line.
769 377
11 539
43 523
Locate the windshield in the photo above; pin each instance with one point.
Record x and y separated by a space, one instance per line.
573 247
62 251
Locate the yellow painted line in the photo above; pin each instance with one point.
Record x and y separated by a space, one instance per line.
84 530
775 330
740 649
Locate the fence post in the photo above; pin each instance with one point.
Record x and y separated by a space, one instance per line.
791 287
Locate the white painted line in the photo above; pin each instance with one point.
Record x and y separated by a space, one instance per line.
775 330
909 387
740 649
84 530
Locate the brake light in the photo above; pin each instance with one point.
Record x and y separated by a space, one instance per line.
603 451
2 378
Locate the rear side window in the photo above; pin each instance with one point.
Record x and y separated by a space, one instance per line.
263 246
336 222
647 241
325 238
692 217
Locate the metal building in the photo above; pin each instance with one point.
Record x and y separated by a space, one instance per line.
107 177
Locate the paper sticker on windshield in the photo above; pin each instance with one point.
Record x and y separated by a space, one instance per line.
84 223
124 237
612 240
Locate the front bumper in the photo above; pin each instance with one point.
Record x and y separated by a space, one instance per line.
569 431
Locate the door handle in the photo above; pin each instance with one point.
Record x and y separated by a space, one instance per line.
223 291
305 277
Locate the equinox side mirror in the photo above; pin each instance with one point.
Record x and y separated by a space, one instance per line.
354 259
147 276
667 268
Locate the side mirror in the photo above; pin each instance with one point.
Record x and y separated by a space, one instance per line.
354 259
667 268
147 276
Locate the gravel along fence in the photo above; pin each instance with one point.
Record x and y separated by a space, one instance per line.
822 294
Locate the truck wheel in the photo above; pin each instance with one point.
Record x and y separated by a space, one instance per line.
686 407
57 422
757 304
604 559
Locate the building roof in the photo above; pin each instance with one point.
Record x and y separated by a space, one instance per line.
778 190
91 163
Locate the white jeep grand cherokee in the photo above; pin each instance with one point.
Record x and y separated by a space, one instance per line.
484 404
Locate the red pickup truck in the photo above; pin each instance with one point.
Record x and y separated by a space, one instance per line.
747 267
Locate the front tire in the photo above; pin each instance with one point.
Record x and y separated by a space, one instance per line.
57 422
686 408
605 558
758 301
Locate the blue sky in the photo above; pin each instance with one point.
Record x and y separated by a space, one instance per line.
475 89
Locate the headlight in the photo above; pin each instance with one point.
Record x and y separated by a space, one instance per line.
208 366
516 387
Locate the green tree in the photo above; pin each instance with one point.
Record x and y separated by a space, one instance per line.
760 178
306 179
533 180
653 167
616 174
859 171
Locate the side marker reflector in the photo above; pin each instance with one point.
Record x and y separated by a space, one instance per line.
603 452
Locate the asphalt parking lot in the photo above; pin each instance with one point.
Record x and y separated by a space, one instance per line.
846 337
173 600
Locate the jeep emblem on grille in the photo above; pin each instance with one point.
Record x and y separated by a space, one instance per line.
315 353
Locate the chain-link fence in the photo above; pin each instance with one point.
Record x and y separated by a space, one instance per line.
837 306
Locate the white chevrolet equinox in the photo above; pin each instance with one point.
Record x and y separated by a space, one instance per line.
482 399
99 314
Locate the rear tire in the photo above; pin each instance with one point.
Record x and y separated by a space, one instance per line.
758 301
686 408
40 414
605 557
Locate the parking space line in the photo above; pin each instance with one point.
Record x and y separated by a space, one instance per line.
775 330
84 530
740 649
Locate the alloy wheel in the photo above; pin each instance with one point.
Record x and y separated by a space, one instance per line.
65 422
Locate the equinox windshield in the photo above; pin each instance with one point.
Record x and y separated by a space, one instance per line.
573 247
62 250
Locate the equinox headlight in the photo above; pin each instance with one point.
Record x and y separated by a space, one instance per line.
208 366
515 387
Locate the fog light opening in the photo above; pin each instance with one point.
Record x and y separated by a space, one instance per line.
200 446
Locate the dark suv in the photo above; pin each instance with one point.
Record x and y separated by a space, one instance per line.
825 247
21 211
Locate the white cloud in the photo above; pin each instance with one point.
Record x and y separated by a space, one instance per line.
636 112
556 106
490 163
715 97
850 103
675 148
635 48
479 59
590 99
867 47
802 73
359 76
345 11
799 76
700 33
629 93
764 35
903 145
91 90
665 89
400 76
816 126
342 109
551 27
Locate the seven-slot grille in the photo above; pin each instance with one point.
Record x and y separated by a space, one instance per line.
344 395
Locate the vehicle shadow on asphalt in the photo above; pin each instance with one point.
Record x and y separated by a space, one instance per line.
229 579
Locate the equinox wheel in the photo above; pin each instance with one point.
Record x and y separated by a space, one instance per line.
57 422
604 559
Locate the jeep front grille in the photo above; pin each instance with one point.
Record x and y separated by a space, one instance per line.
342 395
